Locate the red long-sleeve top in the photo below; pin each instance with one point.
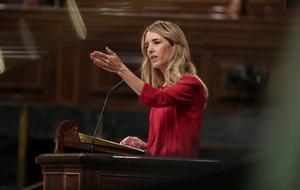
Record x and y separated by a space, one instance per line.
175 117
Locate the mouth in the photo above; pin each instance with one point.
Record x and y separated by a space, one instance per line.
153 58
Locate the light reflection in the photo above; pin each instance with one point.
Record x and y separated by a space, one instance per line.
28 39
280 169
77 19
2 64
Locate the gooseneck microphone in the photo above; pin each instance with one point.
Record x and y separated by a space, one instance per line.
101 114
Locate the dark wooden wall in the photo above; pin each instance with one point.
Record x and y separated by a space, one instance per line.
48 68
55 68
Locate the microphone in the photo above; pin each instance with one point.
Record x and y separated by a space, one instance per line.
101 114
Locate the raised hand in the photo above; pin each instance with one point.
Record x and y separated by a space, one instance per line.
108 61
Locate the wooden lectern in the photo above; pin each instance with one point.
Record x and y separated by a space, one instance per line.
113 166
67 139
89 171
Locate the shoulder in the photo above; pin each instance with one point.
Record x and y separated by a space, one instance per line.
196 81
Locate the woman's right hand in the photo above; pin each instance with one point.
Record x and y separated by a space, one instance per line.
108 61
111 62
134 142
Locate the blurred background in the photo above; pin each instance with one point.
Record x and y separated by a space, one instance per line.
246 51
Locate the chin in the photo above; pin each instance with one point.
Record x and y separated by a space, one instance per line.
156 65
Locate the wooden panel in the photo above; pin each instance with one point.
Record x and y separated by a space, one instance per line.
61 180
68 75
72 181
28 75
265 7
152 5
252 7
110 181
53 180
240 81
240 76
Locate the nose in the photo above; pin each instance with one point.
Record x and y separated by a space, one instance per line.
150 49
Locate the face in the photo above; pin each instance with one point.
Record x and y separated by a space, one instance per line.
158 50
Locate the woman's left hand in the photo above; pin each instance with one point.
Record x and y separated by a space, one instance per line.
109 61
134 142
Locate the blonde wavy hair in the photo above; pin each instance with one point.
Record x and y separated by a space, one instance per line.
179 62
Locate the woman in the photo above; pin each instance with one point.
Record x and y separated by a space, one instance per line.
169 85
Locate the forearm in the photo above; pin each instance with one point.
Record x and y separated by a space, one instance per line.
134 82
112 63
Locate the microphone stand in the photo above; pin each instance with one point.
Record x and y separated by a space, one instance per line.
101 114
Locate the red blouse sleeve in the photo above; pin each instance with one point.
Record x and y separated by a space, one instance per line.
184 91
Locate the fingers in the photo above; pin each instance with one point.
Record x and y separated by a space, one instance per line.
99 55
110 57
101 63
109 61
126 141
109 51
143 145
102 60
134 142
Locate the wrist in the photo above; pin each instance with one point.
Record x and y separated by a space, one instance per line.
121 70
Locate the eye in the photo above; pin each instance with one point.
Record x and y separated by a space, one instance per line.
146 45
156 41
